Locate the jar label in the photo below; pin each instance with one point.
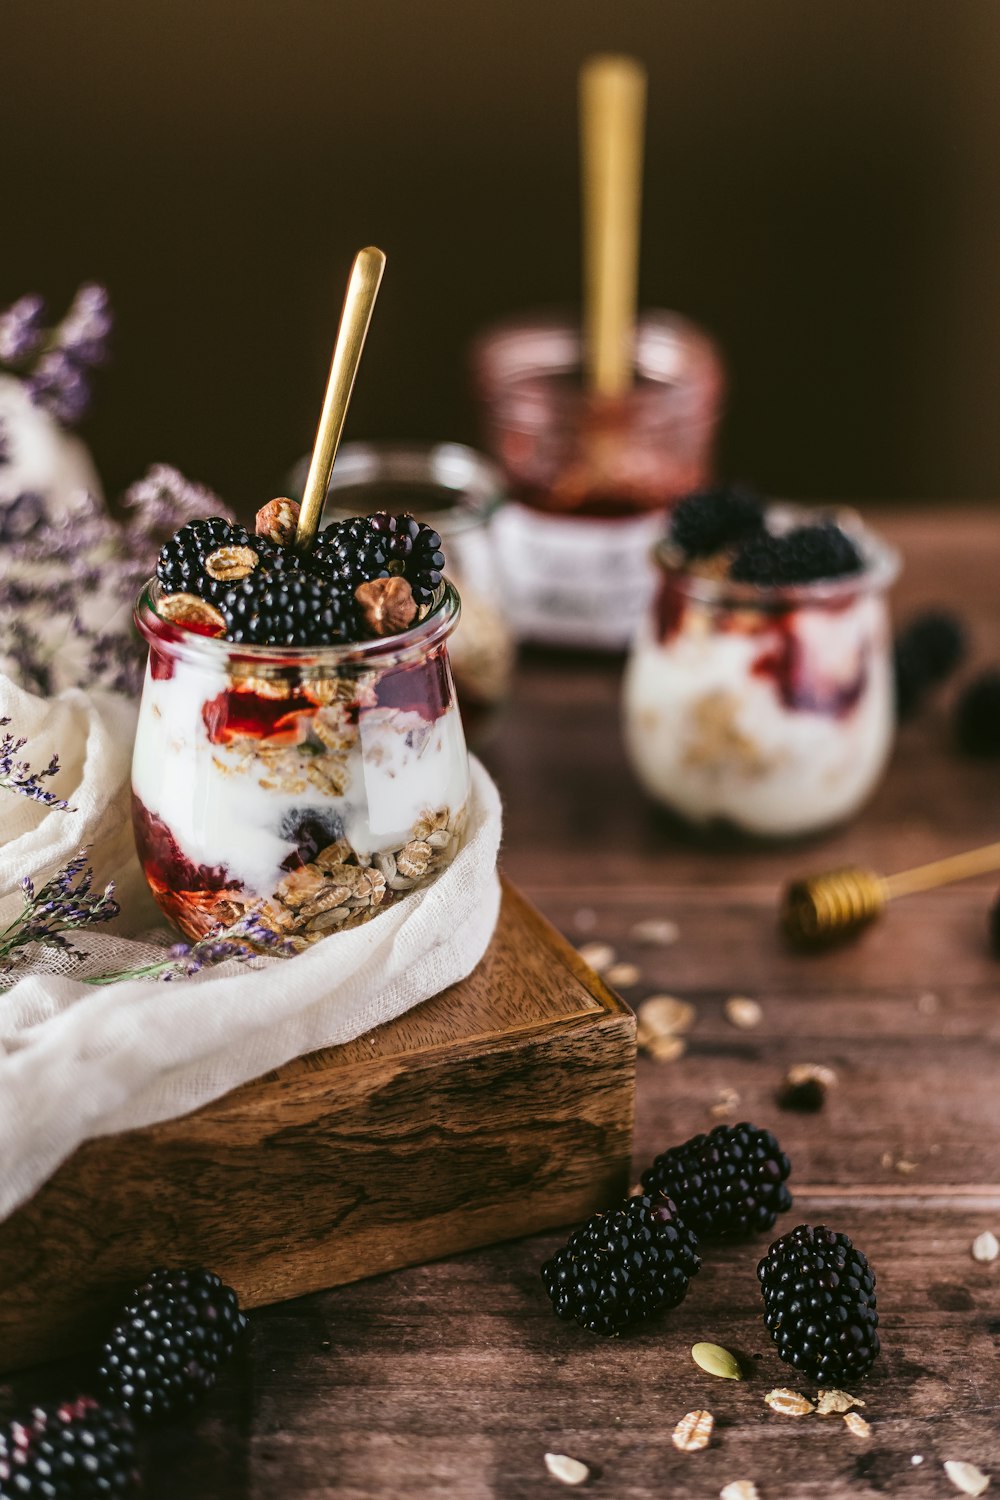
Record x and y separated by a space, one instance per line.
576 580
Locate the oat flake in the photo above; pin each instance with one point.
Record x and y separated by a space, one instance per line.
623 976
599 956
693 1431
743 1012
966 1477
665 1015
855 1423
835 1402
788 1403
566 1470
655 933
740 1489
985 1247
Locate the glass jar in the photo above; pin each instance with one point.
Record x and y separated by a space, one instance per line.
315 784
768 709
457 491
591 477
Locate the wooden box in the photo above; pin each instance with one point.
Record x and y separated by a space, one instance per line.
499 1108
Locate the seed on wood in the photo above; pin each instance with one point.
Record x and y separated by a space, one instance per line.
665 1015
664 1049
835 1402
966 1477
855 1423
693 1431
740 1489
715 1360
804 1087
788 1403
655 932
622 976
599 956
726 1105
566 1470
743 1012
985 1246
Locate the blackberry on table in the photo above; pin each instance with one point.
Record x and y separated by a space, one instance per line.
977 715
78 1450
173 1334
819 1304
804 555
623 1266
285 606
707 521
180 566
926 651
728 1183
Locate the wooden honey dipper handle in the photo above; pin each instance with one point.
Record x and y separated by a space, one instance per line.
943 871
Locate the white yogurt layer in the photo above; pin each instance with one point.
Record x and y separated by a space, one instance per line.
712 739
212 800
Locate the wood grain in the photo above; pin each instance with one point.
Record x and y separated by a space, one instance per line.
501 1107
453 1379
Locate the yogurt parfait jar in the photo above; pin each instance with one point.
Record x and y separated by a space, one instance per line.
314 785
765 707
589 477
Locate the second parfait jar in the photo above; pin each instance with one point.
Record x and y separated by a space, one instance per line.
767 709
315 785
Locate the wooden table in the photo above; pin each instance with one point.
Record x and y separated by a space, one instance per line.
454 1379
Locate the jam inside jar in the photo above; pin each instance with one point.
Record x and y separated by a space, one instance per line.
313 785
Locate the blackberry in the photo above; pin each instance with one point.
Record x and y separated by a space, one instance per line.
285 606
803 555
709 520
76 1451
819 1304
367 547
623 1266
728 1183
977 715
174 1333
180 566
926 652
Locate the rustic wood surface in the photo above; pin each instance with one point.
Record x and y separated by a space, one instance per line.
453 1378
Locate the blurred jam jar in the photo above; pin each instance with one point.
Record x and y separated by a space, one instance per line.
313 784
456 491
590 478
766 708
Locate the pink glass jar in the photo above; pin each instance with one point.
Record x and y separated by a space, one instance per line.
590 478
767 709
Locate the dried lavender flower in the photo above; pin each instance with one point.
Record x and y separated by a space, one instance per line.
55 363
161 502
22 330
246 938
65 903
17 775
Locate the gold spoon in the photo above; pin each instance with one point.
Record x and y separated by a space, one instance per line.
612 119
359 301
822 909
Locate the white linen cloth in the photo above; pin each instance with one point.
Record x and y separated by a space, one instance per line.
78 1061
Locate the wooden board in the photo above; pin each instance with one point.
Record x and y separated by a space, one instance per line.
501 1107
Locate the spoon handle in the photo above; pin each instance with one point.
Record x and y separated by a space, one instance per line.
362 289
612 118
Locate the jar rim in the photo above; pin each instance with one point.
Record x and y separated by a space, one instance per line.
214 651
881 568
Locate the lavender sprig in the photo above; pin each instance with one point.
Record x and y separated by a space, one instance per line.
17 775
56 362
242 940
22 330
65 903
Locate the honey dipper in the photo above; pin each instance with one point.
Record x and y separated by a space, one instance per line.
822 909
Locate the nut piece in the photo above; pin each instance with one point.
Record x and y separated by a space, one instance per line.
985 1247
693 1431
230 564
197 614
387 604
717 1361
788 1403
740 1489
835 1403
278 520
567 1470
966 1477
856 1424
743 1013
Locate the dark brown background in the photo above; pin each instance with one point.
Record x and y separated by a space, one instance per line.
821 192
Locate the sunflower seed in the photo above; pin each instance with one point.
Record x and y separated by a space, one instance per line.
856 1424
566 1470
788 1403
693 1431
835 1403
599 956
717 1361
966 1477
622 976
743 1012
985 1246
740 1489
655 932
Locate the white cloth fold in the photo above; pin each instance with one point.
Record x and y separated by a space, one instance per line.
78 1061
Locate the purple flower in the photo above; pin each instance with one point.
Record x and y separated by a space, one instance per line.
84 332
65 903
17 775
55 363
245 939
161 502
22 330
60 385
23 515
